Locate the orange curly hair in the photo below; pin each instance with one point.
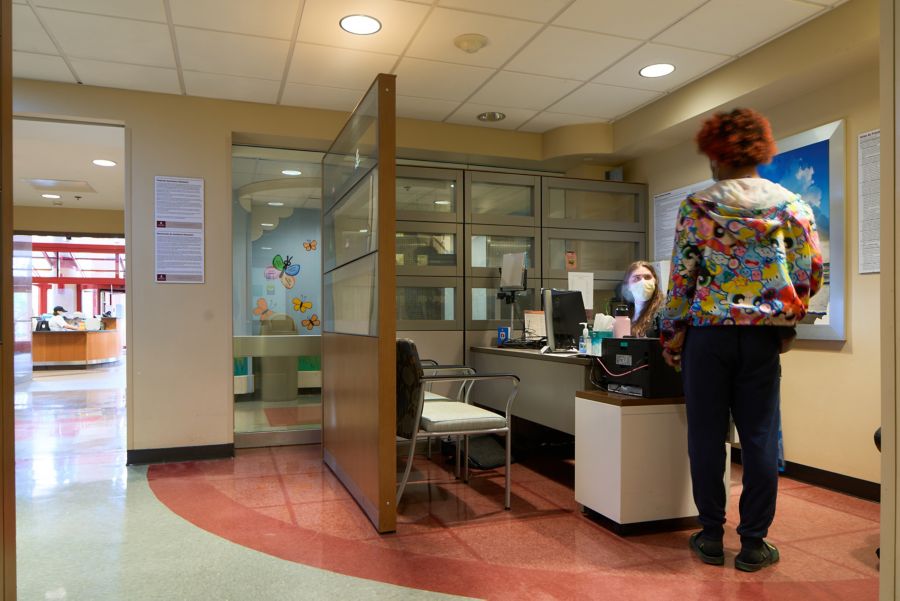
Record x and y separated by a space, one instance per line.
741 138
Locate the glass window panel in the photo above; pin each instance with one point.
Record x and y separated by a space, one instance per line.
423 249
351 300
353 153
420 195
592 255
486 306
488 250
591 205
426 303
502 199
351 227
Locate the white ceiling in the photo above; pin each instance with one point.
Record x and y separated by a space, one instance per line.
548 62
50 150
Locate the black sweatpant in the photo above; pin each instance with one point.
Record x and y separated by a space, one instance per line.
736 370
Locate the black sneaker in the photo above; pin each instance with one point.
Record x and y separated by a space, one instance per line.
708 550
756 558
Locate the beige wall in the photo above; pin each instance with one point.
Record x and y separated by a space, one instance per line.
68 221
830 391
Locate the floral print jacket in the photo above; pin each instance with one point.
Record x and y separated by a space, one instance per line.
746 253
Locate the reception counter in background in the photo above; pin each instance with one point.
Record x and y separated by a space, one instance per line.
75 349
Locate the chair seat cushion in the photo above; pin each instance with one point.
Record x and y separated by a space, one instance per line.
453 416
432 396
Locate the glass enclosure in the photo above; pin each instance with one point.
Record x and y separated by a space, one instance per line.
277 296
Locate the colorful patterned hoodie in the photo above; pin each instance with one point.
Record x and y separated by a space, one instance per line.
746 253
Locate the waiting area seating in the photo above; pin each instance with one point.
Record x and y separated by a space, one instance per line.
442 416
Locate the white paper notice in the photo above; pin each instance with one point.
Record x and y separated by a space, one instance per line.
869 176
583 281
665 211
179 229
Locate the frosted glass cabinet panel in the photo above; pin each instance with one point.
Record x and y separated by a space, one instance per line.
585 204
486 245
605 254
427 194
604 291
429 248
429 303
486 311
503 198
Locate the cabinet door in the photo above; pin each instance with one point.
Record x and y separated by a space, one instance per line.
486 245
586 204
605 254
484 311
429 249
502 198
428 194
604 291
429 303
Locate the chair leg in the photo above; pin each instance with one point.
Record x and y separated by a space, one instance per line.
458 453
508 462
465 465
428 447
409 462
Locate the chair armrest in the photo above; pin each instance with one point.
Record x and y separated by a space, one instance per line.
472 379
429 362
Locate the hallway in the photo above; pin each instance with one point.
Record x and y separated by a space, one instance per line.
275 524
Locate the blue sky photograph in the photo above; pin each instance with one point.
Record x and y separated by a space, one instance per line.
804 171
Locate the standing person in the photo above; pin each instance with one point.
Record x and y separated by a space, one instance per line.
58 323
745 263
640 288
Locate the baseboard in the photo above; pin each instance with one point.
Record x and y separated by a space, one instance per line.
871 491
173 454
637 528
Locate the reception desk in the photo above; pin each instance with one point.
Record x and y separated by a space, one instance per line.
75 349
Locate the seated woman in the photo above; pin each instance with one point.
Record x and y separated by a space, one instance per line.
639 289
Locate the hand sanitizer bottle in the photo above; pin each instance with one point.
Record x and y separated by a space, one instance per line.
585 341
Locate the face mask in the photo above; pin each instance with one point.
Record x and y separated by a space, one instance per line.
642 291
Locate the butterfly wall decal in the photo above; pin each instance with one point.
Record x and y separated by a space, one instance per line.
302 305
310 323
310 245
262 309
288 271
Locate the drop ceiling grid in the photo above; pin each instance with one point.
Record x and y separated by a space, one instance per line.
562 47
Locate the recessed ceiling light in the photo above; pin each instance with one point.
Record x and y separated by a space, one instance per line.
275 204
50 195
470 42
360 24
104 163
657 70
492 116
363 231
265 248
267 224
292 172
442 202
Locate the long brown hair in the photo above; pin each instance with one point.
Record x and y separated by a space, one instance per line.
643 322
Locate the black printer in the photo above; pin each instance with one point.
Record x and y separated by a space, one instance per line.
635 366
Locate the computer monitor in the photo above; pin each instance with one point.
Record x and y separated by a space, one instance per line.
563 315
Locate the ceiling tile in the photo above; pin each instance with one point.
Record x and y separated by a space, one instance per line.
335 99
427 109
546 121
399 21
635 18
524 91
570 54
429 79
505 37
468 113
96 37
337 67
41 66
272 18
231 88
28 33
129 77
533 10
146 10
231 53
605 102
713 27
689 64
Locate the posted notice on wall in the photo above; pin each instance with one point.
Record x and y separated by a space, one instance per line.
179 229
869 197
665 212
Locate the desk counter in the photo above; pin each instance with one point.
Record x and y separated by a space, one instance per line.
75 348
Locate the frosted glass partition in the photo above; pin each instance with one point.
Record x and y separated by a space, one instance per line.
351 304
351 225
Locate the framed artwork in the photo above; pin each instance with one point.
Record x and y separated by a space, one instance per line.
811 164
